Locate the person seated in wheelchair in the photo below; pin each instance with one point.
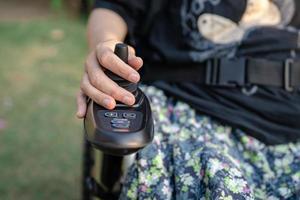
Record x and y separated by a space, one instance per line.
223 79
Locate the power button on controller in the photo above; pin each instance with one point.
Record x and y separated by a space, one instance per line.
111 114
129 115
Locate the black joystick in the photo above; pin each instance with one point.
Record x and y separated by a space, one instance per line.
121 50
126 129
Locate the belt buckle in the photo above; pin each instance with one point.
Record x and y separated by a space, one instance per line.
226 72
288 64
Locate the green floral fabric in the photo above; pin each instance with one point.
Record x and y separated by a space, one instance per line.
195 157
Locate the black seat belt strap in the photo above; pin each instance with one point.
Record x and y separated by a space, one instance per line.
264 72
229 73
295 75
274 73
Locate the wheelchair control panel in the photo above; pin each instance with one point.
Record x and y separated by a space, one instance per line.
125 129
121 121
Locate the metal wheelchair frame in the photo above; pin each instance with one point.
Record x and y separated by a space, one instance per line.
102 174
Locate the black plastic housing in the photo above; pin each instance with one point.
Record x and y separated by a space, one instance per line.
117 142
117 138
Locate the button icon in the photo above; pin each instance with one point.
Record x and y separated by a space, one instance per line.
120 121
120 125
111 114
129 115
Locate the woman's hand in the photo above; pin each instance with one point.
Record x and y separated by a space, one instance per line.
98 86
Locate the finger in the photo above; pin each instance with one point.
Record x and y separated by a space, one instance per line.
102 82
131 51
110 61
135 62
98 96
81 104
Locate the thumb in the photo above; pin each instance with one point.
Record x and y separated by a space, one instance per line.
81 105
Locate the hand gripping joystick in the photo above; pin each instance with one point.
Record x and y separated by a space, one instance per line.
126 129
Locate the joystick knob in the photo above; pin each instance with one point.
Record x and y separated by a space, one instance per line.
121 50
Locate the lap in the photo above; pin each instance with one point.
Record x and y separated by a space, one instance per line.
194 157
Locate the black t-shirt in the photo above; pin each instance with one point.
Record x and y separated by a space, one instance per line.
186 31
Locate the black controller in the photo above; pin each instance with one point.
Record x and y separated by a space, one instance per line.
126 129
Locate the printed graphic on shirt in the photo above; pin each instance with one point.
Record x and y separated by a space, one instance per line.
205 28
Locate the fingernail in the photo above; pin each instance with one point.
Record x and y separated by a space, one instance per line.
79 114
106 102
134 78
127 100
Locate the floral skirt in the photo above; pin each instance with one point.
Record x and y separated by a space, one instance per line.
195 157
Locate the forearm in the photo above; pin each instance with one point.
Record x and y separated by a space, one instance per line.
105 25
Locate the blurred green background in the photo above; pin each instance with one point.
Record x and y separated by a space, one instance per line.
41 57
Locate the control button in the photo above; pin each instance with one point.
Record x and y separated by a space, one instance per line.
129 115
111 114
120 125
120 121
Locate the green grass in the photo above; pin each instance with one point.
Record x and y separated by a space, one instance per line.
40 145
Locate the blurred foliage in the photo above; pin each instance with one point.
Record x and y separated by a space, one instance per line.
56 4
40 138
81 7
